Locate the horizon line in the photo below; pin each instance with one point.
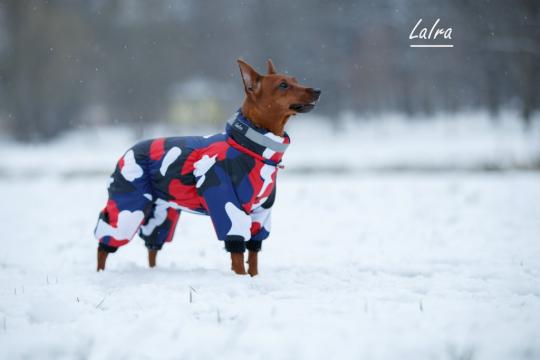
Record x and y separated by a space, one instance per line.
434 45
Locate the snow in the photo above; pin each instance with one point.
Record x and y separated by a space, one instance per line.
374 265
464 141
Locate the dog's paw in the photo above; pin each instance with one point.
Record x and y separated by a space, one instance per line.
240 272
253 272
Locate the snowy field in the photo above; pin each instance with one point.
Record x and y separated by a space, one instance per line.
466 141
360 265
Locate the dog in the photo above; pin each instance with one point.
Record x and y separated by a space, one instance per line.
229 176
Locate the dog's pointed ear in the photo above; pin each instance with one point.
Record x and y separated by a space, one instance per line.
250 77
271 68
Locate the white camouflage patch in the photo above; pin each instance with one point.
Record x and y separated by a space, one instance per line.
131 170
127 224
201 167
266 174
169 158
262 216
240 221
159 216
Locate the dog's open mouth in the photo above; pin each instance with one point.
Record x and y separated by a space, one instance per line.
302 108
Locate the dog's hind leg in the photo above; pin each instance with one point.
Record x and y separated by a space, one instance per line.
102 253
152 255
126 207
101 259
158 228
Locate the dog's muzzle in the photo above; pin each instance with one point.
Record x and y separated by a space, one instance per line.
304 108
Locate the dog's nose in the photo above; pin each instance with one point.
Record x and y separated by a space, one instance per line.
316 93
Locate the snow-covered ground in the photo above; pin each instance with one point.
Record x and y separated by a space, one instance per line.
376 266
359 265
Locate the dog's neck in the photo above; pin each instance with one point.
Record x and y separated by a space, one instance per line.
273 122
254 140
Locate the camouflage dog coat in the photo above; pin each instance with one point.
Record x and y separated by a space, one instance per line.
229 176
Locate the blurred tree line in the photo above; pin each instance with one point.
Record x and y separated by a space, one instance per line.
60 60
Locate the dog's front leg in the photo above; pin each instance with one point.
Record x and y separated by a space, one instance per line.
237 263
253 267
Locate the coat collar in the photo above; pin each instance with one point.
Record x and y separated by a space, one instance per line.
257 141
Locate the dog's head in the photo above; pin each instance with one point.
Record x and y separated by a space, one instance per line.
275 97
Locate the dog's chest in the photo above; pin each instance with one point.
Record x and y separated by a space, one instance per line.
253 181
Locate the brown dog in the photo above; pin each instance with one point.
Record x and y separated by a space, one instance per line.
256 143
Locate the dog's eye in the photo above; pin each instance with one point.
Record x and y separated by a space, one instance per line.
283 85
